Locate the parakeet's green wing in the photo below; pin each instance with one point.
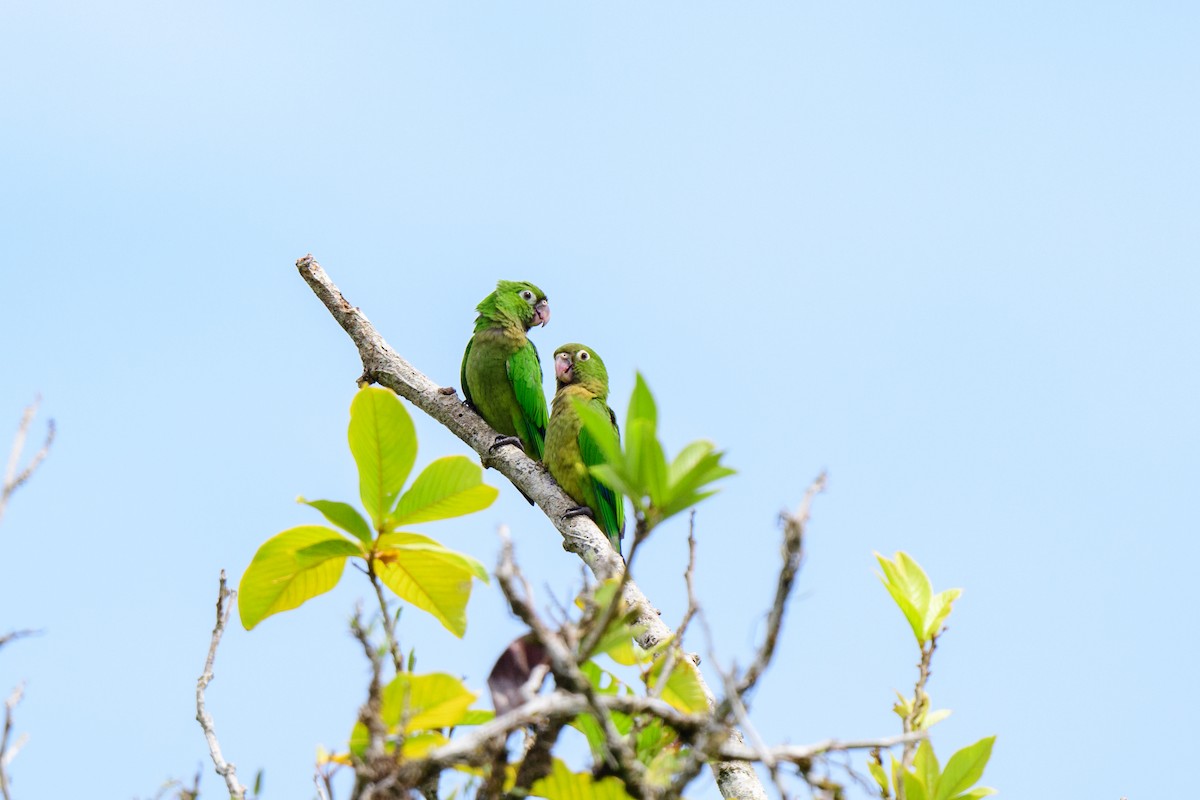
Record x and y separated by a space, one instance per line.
525 375
610 507
463 373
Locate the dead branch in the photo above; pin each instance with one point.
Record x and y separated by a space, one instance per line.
225 598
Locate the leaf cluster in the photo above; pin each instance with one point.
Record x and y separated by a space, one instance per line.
928 781
640 470
909 586
300 563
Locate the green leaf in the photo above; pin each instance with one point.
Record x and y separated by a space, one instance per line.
914 787
360 737
562 784
330 548
934 717
976 794
880 776
418 745
696 465
648 461
477 716
610 477
939 609
384 444
600 428
965 768
683 689
290 568
449 487
926 765
428 575
641 405
910 590
343 515
425 702
617 641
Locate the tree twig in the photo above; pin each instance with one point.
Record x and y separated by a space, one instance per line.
581 536
793 549
225 598
799 754
12 479
389 624
565 667
12 636
7 753
920 705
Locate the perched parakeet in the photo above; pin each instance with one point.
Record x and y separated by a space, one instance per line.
501 372
570 449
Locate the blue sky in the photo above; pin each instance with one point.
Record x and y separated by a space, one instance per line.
946 251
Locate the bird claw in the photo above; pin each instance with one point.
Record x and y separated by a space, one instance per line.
503 440
580 511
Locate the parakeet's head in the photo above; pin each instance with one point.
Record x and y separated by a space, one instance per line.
575 363
517 301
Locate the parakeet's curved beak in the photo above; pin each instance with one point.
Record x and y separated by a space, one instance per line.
541 312
564 370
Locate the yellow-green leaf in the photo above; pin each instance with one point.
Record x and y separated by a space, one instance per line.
428 575
563 784
343 515
384 444
425 702
926 765
939 609
419 745
908 585
877 772
934 717
914 787
978 793
683 689
477 716
449 487
965 768
291 567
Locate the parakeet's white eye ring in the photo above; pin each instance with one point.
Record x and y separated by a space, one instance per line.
527 296
583 355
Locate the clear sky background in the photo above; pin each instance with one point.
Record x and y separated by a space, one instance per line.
947 251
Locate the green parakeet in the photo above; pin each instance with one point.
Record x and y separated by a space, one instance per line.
501 372
570 450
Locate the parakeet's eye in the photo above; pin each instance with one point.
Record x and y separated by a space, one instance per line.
527 296
583 355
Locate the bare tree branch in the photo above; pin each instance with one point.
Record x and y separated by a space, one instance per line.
383 365
375 773
12 479
793 544
14 635
920 705
389 623
225 598
565 667
8 753
799 754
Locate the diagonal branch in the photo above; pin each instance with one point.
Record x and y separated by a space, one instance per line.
580 535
